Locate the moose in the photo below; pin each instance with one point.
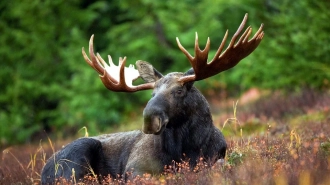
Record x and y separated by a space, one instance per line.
177 124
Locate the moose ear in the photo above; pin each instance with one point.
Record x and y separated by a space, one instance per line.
147 72
189 72
191 83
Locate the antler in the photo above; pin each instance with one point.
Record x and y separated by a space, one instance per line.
114 81
221 61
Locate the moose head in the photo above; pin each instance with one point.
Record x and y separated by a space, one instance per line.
172 90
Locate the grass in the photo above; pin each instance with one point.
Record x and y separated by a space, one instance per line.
267 149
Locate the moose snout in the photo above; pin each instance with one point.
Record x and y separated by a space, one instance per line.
154 123
155 116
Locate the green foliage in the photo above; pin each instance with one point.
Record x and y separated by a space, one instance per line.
235 158
325 148
45 84
295 50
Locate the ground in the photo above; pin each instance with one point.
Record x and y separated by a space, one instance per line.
273 138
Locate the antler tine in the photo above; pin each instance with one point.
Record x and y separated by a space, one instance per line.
222 45
184 51
244 36
108 73
239 30
222 60
200 55
122 63
98 56
94 63
259 34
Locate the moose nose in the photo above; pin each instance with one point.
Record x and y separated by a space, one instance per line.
155 116
151 124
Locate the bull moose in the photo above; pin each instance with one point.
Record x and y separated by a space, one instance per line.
177 120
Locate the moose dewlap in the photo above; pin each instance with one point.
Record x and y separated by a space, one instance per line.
177 120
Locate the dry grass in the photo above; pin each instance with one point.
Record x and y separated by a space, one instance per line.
290 150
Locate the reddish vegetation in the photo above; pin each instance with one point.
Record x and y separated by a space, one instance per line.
279 105
292 150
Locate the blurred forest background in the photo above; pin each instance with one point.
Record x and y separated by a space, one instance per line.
46 87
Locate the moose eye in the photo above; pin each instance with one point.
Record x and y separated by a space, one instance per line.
178 92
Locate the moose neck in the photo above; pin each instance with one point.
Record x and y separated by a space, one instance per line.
189 130
194 112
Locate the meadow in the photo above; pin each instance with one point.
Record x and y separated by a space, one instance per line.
273 138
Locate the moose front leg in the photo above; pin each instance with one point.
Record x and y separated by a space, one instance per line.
81 157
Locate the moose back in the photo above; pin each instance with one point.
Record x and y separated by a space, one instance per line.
177 120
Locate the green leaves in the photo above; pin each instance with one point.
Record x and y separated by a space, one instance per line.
46 85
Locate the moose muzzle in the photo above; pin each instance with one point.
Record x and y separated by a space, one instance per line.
155 116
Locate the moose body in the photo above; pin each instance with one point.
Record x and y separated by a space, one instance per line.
188 134
177 120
